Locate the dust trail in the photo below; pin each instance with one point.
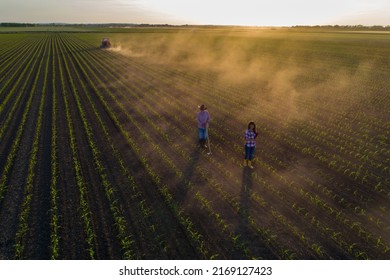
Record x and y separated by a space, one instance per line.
117 48
275 69
222 54
231 59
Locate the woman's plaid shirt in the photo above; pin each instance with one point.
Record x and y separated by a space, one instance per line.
250 138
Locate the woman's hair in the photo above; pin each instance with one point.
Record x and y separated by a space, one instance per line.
250 123
254 127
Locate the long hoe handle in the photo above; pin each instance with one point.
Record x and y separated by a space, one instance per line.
208 142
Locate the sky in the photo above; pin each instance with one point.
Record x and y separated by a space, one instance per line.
215 12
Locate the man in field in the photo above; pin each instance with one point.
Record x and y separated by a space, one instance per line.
203 118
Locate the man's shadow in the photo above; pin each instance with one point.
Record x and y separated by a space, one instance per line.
183 186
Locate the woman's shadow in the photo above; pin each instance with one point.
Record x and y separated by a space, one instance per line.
246 187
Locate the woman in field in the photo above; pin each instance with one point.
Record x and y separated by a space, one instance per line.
250 144
203 118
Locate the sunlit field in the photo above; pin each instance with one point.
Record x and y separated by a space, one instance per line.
99 155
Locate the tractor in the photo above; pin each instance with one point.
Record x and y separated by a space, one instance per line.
105 43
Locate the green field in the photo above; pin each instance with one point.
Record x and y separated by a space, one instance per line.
99 156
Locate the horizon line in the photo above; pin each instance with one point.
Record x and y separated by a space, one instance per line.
183 25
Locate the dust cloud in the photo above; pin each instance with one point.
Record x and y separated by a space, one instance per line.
250 60
276 70
223 54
